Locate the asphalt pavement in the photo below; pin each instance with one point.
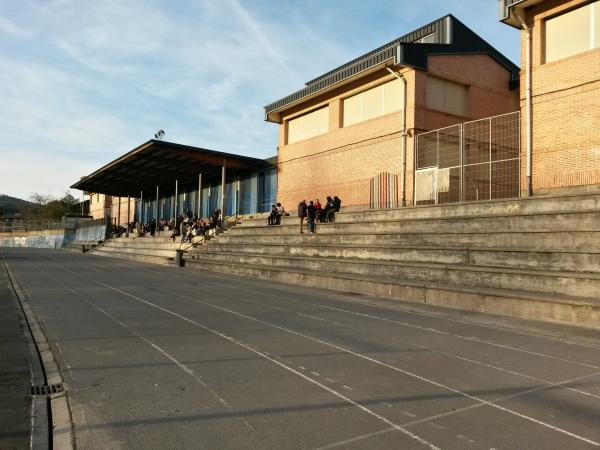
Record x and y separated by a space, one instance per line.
15 374
172 358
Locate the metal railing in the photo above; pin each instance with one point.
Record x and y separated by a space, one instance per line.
477 160
30 225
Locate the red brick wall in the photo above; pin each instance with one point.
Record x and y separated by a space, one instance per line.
342 161
565 110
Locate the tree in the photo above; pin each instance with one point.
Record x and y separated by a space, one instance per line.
49 208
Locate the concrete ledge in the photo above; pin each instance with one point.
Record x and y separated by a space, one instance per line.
578 312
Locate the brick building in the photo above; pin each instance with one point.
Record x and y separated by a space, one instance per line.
351 131
560 91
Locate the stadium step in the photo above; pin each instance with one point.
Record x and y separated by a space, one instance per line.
573 284
531 305
584 261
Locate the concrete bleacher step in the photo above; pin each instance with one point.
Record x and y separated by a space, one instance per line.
137 257
562 283
581 221
167 253
505 207
549 240
588 261
580 311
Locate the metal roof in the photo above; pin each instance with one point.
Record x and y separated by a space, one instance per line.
161 163
448 35
509 7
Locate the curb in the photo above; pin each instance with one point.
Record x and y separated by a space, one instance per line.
53 408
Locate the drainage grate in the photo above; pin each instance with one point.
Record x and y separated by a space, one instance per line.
47 389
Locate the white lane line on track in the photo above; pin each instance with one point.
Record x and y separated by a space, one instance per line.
356 439
341 298
493 405
166 354
274 361
397 369
547 382
418 327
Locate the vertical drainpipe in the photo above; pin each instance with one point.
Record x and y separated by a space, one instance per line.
404 133
528 105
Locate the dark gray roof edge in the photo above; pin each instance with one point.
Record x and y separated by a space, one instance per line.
454 37
407 38
149 143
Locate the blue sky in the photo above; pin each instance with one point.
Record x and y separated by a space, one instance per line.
82 82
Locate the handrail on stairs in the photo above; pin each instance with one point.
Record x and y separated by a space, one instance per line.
229 221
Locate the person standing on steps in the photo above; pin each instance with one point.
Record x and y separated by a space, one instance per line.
311 213
302 214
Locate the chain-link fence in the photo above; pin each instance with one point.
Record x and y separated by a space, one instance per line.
476 160
29 225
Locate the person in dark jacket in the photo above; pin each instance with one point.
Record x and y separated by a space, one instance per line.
273 216
302 214
311 213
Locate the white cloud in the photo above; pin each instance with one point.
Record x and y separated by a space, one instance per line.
11 29
83 82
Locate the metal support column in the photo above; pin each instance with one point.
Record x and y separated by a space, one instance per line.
128 215
119 213
142 207
199 204
156 211
176 201
223 190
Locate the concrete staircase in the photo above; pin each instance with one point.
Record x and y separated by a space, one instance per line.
533 258
158 250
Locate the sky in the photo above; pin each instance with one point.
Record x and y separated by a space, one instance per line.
82 82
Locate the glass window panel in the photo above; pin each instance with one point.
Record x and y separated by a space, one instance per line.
568 34
308 125
372 103
352 110
322 120
294 130
393 93
435 96
456 98
596 8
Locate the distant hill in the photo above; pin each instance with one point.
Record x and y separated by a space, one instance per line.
12 205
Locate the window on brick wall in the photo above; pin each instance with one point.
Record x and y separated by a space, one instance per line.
308 125
446 96
573 32
382 99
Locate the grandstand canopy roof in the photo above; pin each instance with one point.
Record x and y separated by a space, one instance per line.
159 163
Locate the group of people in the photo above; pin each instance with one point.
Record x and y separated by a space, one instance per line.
313 212
186 225
189 227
